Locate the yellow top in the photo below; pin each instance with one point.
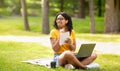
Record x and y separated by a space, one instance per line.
55 34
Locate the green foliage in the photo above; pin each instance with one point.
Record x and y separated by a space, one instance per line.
12 7
69 6
12 53
96 7
4 11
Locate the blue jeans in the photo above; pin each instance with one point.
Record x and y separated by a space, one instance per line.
56 57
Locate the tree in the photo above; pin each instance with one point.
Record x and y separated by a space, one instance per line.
99 8
81 9
112 16
45 17
14 7
91 12
62 5
2 4
24 14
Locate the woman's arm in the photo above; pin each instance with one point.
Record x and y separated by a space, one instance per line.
55 44
71 45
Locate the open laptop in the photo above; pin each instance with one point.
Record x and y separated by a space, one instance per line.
85 50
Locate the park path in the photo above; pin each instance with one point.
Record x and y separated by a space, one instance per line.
101 47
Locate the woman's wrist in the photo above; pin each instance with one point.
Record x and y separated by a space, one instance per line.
71 46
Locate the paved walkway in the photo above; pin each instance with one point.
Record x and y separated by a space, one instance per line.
101 47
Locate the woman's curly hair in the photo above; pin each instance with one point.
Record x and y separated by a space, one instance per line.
67 17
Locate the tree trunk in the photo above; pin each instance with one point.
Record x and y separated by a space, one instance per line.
62 5
91 12
24 14
99 8
2 3
45 17
112 24
81 9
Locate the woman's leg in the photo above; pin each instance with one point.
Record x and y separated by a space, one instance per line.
90 59
69 57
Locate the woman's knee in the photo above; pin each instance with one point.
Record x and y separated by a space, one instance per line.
67 54
94 56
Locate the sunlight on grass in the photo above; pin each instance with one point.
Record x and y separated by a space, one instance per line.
12 53
15 26
100 37
109 62
10 24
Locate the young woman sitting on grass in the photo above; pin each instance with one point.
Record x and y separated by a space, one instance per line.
63 54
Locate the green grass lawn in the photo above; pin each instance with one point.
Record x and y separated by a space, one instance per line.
14 26
99 37
12 53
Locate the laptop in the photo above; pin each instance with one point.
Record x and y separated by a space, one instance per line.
85 50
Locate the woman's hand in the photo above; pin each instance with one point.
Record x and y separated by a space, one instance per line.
71 45
68 41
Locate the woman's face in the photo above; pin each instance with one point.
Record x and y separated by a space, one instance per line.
61 21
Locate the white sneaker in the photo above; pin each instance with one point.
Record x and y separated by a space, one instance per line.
93 65
69 66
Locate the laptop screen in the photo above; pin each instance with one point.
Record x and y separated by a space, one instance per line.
86 50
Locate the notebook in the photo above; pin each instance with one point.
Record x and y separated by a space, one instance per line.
85 50
63 37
